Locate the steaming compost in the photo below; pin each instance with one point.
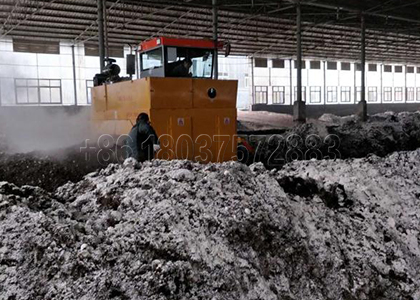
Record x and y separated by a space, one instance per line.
47 170
333 136
345 229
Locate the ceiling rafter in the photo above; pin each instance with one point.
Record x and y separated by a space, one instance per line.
331 28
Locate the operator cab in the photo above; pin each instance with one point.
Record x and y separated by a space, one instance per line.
172 57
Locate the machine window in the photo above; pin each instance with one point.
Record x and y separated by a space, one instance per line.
186 62
172 54
202 66
152 59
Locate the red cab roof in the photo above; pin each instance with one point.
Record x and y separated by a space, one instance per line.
189 43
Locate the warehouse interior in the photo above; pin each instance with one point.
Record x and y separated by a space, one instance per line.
330 32
315 194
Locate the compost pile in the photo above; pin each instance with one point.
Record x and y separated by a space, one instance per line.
333 136
341 137
178 230
48 170
381 135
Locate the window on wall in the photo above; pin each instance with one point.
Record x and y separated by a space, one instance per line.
114 51
418 94
261 63
388 69
410 70
372 67
345 94
303 64
410 94
398 69
303 93
331 65
387 94
418 69
278 63
36 46
89 86
331 94
315 94
399 94
278 95
261 94
372 94
345 66
315 65
358 67
358 93
38 91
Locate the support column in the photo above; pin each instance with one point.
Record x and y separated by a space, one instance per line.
362 105
339 92
381 92
291 80
252 81
105 30
73 56
405 84
355 83
215 39
325 81
137 63
415 85
299 108
101 34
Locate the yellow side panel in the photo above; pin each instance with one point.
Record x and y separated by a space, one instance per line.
127 99
214 133
191 125
226 129
173 127
98 101
114 127
116 106
226 91
171 92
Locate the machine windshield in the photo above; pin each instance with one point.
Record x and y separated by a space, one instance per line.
187 62
152 59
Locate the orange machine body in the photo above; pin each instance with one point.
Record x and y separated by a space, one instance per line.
195 118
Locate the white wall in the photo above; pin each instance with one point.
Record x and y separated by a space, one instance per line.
340 79
19 65
236 67
16 65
